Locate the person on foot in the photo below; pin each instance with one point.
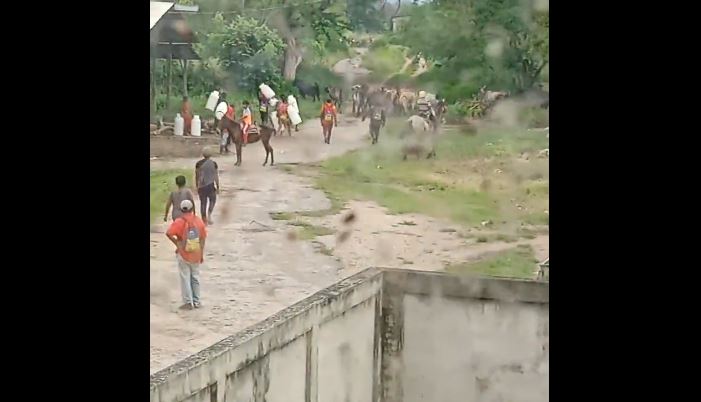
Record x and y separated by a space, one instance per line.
246 121
188 234
186 113
207 179
176 197
328 119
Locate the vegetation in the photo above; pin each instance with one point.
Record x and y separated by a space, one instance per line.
162 183
518 262
476 179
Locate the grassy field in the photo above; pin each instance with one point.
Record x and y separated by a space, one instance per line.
477 178
518 262
162 183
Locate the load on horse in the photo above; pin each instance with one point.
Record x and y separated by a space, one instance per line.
232 131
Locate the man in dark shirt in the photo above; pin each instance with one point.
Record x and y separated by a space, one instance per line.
207 179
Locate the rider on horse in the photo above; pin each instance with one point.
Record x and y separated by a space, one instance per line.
425 108
246 121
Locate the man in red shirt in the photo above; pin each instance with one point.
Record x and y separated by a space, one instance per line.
188 234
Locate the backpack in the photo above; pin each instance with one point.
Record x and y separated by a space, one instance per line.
192 237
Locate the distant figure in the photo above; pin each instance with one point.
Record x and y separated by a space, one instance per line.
176 197
293 112
263 105
188 234
230 113
272 112
207 179
186 113
328 119
246 121
378 119
283 118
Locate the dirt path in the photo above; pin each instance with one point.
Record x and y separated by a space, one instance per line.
251 270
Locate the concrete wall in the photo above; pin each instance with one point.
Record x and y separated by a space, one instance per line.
456 339
382 336
322 349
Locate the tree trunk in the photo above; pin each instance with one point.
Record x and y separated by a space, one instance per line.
153 88
183 64
293 58
170 67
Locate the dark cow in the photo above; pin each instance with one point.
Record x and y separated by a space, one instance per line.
336 95
308 90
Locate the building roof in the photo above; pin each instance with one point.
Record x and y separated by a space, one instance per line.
170 34
158 10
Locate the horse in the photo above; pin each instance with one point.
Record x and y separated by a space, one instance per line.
308 90
419 130
336 95
235 133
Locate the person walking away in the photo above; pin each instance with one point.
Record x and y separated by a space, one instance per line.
423 106
188 234
225 140
176 197
263 105
272 114
246 121
378 119
293 112
207 179
186 113
328 119
283 118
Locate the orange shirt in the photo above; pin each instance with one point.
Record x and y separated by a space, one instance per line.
331 108
179 228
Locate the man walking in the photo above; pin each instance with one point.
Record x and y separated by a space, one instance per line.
207 179
188 234
176 197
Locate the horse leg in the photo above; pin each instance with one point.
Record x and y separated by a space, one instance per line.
269 148
238 153
266 153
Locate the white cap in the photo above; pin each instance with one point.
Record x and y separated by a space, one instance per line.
422 94
186 205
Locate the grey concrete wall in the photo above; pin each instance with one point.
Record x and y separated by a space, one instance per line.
322 349
381 336
456 339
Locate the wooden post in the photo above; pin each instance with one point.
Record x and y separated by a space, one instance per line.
153 87
170 67
184 64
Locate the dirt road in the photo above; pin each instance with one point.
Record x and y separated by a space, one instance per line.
252 270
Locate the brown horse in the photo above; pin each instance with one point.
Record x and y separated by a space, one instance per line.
264 133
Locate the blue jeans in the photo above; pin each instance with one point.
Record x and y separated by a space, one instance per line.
189 281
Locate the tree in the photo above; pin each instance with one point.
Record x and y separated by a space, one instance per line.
307 27
251 51
502 44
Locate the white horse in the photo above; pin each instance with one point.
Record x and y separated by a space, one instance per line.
420 138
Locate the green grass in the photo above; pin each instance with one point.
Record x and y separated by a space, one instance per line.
308 231
162 183
446 187
281 216
519 262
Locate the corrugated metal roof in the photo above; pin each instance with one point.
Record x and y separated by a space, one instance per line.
158 10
